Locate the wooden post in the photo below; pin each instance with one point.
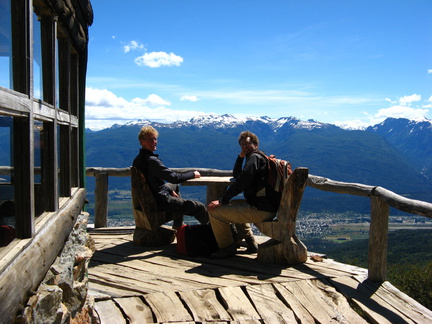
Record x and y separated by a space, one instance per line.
378 240
215 191
101 200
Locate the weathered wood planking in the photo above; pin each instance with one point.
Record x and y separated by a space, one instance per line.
215 268
187 273
397 300
101 291
135 309
376 309
158 285
237 304
269 306
322 308
289 299
179 274
109 313
204 305
412 307
167 307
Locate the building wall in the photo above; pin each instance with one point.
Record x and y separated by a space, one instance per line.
43 62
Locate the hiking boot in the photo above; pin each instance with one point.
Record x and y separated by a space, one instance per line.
252 246
225 252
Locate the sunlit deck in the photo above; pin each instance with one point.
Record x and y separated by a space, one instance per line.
134 284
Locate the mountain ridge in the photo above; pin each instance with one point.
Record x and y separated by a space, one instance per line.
390 154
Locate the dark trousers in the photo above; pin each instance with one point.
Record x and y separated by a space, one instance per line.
176 207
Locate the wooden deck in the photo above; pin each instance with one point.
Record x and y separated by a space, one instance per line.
133 284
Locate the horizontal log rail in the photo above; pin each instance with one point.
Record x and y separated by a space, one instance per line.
381 200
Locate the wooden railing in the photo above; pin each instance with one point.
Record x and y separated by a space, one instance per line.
381 200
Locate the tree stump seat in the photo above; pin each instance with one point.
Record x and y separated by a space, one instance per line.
284 247
149 220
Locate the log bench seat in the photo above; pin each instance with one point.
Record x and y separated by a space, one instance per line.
149 220
284 247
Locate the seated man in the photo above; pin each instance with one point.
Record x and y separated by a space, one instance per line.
256 207
156 174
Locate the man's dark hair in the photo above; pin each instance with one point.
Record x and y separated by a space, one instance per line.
246 134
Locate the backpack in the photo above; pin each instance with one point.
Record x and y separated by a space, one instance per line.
278 172
196 240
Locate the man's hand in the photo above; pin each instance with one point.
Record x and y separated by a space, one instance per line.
197 174
213 204
174 194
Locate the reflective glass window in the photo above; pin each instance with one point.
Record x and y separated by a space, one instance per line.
7 208
5 44
37 58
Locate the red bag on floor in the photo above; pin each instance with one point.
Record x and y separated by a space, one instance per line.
7 234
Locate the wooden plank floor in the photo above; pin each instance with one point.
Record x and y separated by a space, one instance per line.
134 284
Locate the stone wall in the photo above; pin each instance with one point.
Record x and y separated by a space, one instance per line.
62 297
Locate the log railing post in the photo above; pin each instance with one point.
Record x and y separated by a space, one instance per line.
101 199
378 239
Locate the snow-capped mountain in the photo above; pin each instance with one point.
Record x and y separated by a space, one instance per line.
229 121
395 154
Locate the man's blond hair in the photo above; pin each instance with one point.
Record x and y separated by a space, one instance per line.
147 130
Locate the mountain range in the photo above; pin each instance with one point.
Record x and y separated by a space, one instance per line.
395 154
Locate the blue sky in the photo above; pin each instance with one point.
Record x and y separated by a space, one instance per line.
346 62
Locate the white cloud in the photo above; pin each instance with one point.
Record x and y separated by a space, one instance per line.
132 45
400 108
158 59
402 112
430 71
406 100
188 98
103 98
104 108
151 100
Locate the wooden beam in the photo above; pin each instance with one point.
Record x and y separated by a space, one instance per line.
412 206
31 265
23 176
378 240
326 184
101 200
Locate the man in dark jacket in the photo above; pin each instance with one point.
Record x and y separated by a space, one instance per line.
258 204
156 174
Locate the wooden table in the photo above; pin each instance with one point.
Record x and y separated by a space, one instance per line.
216 186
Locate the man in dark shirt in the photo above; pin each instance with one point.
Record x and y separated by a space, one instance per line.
259 205
157 174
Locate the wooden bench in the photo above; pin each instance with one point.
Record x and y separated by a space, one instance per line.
284 247
149 220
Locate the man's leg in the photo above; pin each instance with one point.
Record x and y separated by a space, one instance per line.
176 217
244 231
238 211
187 207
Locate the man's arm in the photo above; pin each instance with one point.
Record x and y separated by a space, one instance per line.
158 169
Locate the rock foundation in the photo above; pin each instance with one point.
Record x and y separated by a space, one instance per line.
63 297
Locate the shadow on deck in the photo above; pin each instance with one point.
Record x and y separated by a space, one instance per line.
133 284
